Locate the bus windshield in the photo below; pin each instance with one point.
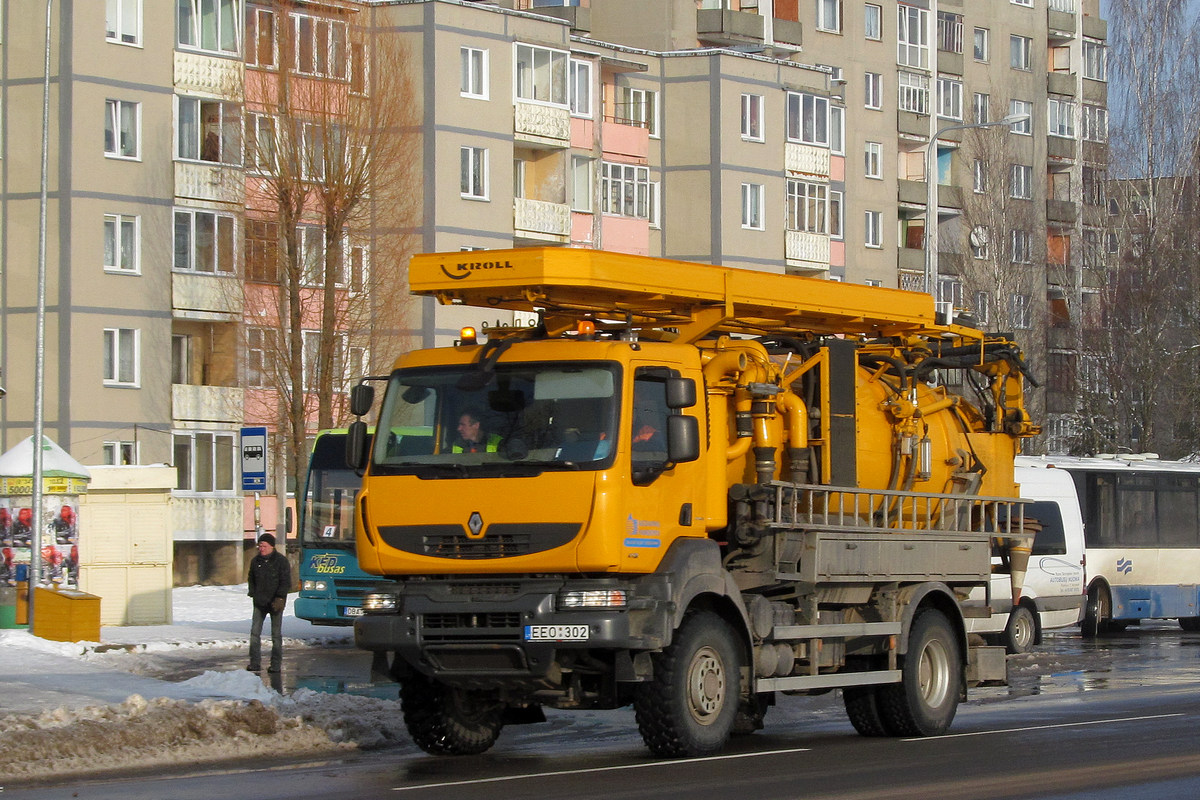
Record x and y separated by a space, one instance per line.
328 514
521 417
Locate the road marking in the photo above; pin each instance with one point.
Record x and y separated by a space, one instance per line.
615 768
1041 727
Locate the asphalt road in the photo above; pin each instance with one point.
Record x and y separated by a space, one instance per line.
1107 720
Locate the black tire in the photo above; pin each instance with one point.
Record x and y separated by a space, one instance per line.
1021 632
445 721
1097 614
690 705
926 699
862 707
1190 624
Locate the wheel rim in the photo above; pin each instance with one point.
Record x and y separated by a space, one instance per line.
706 686
935 673
1023 631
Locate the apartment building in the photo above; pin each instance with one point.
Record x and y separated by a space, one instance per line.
785 136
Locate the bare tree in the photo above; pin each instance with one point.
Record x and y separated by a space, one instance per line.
332 160
1144 387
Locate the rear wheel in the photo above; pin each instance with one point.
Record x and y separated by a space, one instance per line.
1190 624
862 707
1097 615
1020 634
446 721
926 699
690 706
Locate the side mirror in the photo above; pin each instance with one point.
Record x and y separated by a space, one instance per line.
362 397
681 392
287 519
356 445
683 438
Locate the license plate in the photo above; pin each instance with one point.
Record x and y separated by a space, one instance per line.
352 611
556 633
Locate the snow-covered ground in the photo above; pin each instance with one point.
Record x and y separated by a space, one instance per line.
78 707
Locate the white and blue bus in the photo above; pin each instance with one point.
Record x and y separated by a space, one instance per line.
1141 519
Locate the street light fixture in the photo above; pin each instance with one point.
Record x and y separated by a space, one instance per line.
931 195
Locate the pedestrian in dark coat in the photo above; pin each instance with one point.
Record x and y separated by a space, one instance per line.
269 578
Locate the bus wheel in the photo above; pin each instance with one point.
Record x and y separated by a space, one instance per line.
926 699
1020 634
1190 624
446 721
690 705
1097 613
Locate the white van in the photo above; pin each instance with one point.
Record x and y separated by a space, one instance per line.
1054 591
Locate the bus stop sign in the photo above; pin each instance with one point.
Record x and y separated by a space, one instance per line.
254 459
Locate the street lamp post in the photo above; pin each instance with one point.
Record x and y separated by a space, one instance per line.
931 195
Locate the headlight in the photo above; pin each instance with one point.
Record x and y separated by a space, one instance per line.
381 603
592 598
314 586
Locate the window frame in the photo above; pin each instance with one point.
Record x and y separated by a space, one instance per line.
1020 179
582 201
526 77
579 88
626 190
116 17
254 37
873 90
806 123
912 91
473 173
194 25
1020 52
114 131
640 108
1024 128
950 92
873 160
753 106
118 221
1094 123
826 8
877 10
219 219
112 452
1060 118
873 229
753 207
112 369
837 214
333 64
1020 247
218 447
1095 60
985 40
806 206
467 77
1020 311
228 130
912 34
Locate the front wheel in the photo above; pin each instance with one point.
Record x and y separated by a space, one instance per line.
690 705
926 699
446 721
1097 614
1020 634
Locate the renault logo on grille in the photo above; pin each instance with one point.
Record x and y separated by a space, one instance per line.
475 525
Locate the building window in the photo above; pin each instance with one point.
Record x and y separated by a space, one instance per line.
1061 118
979 169
204 462
1026 3
259 363
260 143
474 79
752 117
119 454
950 98
873 160
1095 60
829 15
541 75
982 39
348 364
209 130
1024 127
949 32
473 163
1092 179
120 243
122 121
261 48
121 357
209 25
914 92
581 184
836 203
808 119
581 88
873 90
123 21
1019 48
981 305
752 206
1095 123
1020 183
1112 243
204 242
262 251
873 21
807 207
980 242
638 107
1021 248
873 233
1019 311
320 45
982 104
912 37
625 190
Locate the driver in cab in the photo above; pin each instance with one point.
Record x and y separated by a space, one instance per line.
472 438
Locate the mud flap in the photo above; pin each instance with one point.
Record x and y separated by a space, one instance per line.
987 666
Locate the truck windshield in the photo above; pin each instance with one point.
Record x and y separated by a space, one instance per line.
525 418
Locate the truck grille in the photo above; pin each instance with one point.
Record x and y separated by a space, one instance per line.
451 626
499 540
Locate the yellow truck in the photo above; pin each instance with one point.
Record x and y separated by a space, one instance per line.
688 488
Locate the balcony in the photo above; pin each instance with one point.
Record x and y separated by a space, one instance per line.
787 32
911 260
1060 23
541 125
950 63
626 140
206 297
1060 149
217 404
911 124
806 159
1095 27
1061 211
911 192
541 221
1061 83
213 183
729 28
580 19
1095 92
211 75
806 251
